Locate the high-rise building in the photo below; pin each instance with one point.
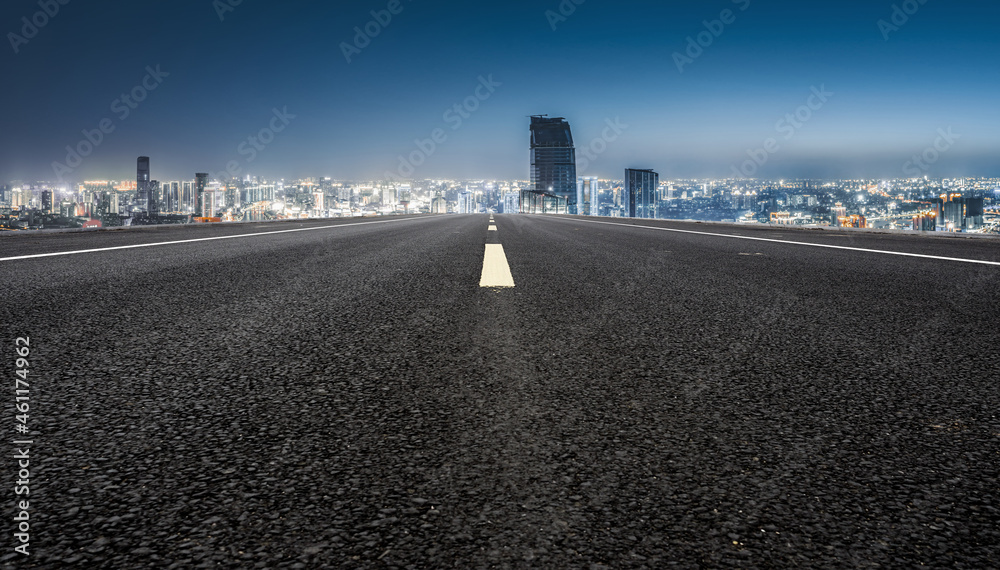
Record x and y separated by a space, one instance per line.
553 159
439 205
187 199
201 205
260 192
640 192
47 201
142 188
974 210
231 193
956 213
388 197
172 193
467 203
510 200
153 198
924 222
319 202
587 196
21 198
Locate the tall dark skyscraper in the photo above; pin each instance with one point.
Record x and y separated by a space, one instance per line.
142 186
200 183
640 191
553 159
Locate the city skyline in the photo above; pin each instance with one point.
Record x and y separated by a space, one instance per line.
693 91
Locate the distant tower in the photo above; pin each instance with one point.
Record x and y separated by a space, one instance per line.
587 196
467 203
153 200
640 192
173 196
142 187
186 199
200 183
47 201
553 159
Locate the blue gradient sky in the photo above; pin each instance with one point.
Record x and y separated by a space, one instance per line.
606 60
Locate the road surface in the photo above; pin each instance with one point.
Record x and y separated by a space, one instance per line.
348 395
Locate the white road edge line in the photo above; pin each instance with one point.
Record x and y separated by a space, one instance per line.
79 251
900 253
496 272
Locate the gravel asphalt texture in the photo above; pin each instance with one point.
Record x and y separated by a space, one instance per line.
349 397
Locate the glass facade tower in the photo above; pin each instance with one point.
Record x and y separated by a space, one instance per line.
143 188
587 196
200 182
640 192
553 159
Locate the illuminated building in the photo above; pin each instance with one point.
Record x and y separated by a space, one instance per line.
511 200
318 201
144 189
533 202
171 196
203 206
587 196
781 218
187 199
925 222
467 203
956 213
853 221
439 205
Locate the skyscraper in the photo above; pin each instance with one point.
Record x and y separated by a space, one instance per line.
187 199
467 202
152 198
553 159
172 196
200 182
586 196
640 192
142 189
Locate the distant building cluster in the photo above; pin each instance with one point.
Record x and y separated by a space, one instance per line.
921 204
895 204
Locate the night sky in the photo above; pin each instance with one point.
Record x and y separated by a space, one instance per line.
605 61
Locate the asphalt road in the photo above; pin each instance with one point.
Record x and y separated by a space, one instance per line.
349 396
